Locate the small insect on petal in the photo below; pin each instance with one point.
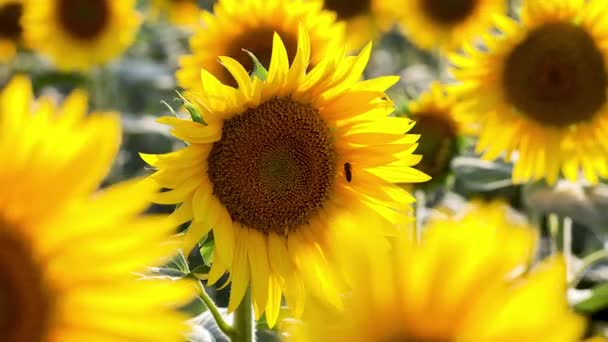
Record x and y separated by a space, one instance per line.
348 172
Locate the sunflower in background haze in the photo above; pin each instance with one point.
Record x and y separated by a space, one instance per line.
466 280
68 255
539 92
433 112
183 13
237 25
273 161
79 34
365 19
445 24
10 28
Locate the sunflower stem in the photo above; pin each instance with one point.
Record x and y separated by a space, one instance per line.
587 262
554 232
567 245
217 316
243 320
420 207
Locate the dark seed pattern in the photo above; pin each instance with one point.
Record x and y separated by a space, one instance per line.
347 9
556 76
274 167
83 19
24 304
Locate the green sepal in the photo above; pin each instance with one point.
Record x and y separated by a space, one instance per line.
258 69
194 113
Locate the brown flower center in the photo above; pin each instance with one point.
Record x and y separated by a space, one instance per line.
10 15
83 19
347 9
274 166
448 12
24 303
556 75
437 143
259 42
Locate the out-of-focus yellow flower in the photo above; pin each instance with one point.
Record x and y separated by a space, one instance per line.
365 19
238 25
433 113
10 28
79 34
272 161
465 281
184 13
445 24
538 90
68 255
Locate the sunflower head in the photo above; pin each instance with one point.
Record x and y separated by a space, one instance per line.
79 34
10 28
276 160
69 254
468 283
446 24
233 30
540 91
438 129
365 19
183 13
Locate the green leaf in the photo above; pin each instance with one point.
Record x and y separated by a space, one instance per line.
598 300
207 251
258 69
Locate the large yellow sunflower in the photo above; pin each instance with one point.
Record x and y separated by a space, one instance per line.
365 19
184 13
539 90
10 28
433 113
276 160
68 256
238 25
466 281
445 24
79 34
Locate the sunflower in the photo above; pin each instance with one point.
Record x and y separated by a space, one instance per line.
68 256
273 161
184 13
539 91
468 283
438 129
10 28
446 24
239 25
78 34
365 19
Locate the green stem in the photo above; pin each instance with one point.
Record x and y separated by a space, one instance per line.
217 316
420 207
588 261
243 320
554 232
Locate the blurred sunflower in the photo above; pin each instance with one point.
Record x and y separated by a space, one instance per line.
68 256
79 34
438 129
10 28
276 159
446 24
239 25
365 19
183 13
539 90
468 283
